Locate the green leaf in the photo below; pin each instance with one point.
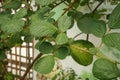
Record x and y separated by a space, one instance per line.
2 55
110 53
45 2
38 44
25 32
43 10
105 70
64 23
45 47
84 2
21 13
62 52
112 40
89 25
4 18
13 26
40 28
14 4
28 38
15 39
115 18
76 15
93 51
9 76
99 28
61 39
45 64
80 52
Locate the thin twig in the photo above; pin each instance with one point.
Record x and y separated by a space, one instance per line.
30 66
66 3
77 35
89 7
97 6
87 37
59 3
69 7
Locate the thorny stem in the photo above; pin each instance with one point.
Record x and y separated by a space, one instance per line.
30 66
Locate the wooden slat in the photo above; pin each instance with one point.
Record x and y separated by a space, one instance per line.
19 65
23 64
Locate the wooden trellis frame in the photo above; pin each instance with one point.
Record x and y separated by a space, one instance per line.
19 59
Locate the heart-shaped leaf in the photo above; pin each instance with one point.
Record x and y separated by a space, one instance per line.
45 64
105 70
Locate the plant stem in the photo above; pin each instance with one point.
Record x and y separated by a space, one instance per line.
97 6
30 66
87 37
89 7
63 1
77 35
69 7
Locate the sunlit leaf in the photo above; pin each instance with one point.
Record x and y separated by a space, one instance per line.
80 52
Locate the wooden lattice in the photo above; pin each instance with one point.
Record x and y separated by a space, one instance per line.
19 59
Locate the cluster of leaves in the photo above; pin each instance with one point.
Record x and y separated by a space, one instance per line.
66 74
18 19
